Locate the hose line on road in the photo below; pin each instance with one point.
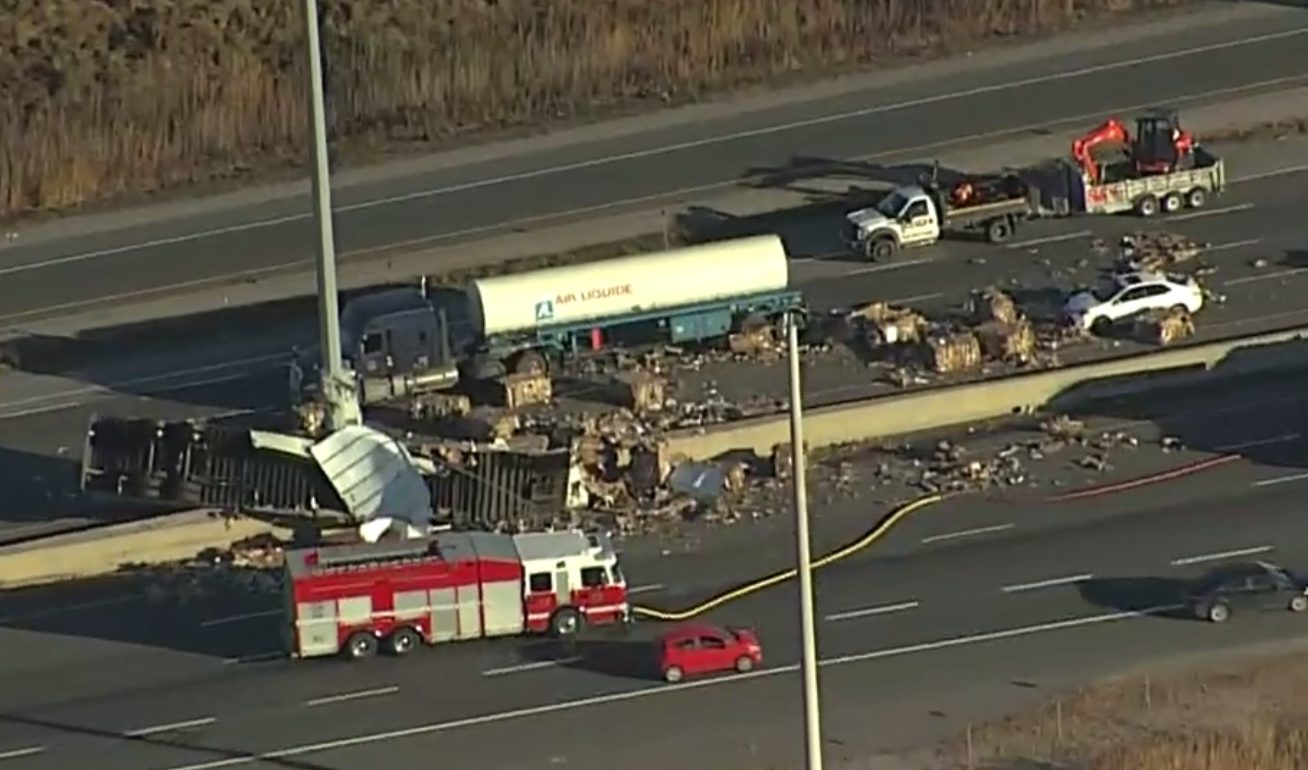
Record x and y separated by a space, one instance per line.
873 535
1143 481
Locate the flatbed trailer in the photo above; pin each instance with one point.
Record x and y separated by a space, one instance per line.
1153 194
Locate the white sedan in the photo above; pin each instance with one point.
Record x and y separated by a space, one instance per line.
1130 294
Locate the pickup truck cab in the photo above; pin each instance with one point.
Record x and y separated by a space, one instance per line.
918 215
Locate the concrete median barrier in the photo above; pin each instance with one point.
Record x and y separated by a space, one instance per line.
1055 389
103 550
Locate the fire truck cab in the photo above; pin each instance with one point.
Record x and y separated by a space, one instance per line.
355 599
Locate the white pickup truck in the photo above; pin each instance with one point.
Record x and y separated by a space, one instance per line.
918 215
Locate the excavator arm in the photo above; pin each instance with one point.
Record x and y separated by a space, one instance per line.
1111 131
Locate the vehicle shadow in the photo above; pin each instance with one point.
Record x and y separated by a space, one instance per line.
209 606
1137 594
612 653
1265 429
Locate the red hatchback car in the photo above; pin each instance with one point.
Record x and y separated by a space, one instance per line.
700 648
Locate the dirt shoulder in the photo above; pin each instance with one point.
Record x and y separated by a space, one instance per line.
1236 711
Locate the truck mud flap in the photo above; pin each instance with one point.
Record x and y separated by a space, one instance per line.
192 463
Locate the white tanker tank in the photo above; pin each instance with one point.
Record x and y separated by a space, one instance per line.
600 292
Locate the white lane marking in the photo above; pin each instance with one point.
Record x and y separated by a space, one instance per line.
373 693
968 533
238 618
165 728
868 611
1257 442
1051 239
1280 480
1233 245
1210 212
645 589
1266 174
887 266
1267 276
916 298
255 657
136 382
691 144
71 608
153 392
1203 557
530 666
1058 581
16 753
660 690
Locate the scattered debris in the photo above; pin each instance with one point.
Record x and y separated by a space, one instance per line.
954 353
1008 340
1164 327
520 390
1157 251
993 305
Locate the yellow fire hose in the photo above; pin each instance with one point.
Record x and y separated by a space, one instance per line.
873 535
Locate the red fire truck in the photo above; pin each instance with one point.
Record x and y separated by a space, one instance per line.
351 599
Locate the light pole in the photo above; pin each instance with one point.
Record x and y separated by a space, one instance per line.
337 388
812 708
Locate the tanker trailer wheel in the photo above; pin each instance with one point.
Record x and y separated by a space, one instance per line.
530 362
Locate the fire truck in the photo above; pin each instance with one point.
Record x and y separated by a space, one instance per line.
355 599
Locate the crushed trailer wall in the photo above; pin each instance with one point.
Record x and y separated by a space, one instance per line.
194 463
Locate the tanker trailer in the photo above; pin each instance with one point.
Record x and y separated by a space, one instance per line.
686 295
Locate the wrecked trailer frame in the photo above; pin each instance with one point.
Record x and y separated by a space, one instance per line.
192 463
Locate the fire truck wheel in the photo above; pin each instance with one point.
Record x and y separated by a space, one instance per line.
360 645
402 641
566 622
674 674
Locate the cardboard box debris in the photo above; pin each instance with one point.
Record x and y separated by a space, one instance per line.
1007 341
887 325
519 390
639 391
1164 327
1155 251
754 341
993 305
953 353
437 406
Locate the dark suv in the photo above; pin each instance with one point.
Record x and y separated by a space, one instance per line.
1255 586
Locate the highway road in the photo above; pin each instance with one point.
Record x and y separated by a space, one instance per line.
916 643
1238 48
44 416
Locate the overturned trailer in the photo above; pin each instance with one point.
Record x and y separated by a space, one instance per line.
351 476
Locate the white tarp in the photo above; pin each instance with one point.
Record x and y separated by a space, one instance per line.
374 475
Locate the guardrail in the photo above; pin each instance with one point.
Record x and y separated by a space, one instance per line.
1059 389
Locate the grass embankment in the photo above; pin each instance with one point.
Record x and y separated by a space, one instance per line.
1243 714
104 98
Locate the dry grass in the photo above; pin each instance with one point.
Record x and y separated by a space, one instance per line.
1241 715
106 97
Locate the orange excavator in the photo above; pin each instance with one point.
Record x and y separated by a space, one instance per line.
1160 145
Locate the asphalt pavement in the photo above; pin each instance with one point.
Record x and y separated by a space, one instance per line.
917 641
1246 46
